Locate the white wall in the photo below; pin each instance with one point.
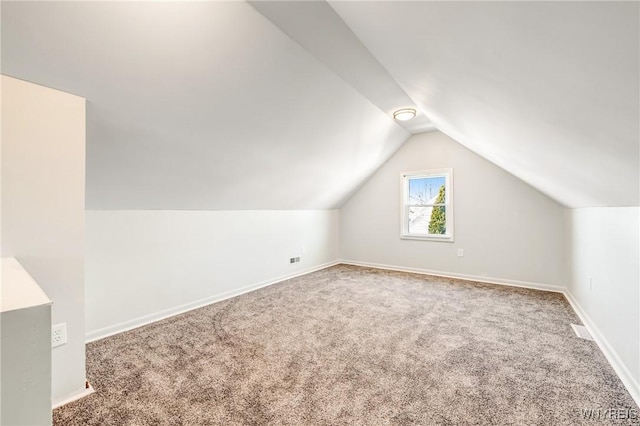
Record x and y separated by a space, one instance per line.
509 231
602 243
43 153
25 361
146 264
26 367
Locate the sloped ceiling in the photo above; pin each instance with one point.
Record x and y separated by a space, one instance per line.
199 105
318 28
547 90
210 105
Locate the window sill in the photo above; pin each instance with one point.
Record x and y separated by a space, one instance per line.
443 239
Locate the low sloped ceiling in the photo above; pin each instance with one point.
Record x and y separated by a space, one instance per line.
547 90
199 105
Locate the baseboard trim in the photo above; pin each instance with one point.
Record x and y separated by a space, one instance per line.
86 392
177 310
632 385
474 278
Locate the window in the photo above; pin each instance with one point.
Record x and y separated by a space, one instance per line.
427 205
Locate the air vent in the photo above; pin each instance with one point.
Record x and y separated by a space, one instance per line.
582 332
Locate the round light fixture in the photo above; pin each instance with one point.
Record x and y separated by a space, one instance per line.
404 114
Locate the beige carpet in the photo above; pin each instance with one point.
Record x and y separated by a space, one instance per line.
352 345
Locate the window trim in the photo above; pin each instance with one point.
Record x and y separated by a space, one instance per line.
404 207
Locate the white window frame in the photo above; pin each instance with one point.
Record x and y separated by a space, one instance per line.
404 204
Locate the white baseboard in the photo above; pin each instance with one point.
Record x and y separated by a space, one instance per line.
621 370
148 319
475 278
85 392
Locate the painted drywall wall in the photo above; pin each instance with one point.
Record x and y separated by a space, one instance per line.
146 265
26 366
43 153
25 351
509 231
604 282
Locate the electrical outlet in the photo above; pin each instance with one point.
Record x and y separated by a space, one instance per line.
58 334
294 260
460 252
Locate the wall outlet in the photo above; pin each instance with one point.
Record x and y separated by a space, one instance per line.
460 252
294 260
58 334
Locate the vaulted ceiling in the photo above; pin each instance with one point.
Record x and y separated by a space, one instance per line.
287 105
547 90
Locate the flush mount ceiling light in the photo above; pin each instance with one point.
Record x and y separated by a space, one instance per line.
404 114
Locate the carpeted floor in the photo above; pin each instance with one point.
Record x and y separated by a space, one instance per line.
352 345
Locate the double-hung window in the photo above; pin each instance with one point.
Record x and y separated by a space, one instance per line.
427 205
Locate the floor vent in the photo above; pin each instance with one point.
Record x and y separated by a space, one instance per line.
581 331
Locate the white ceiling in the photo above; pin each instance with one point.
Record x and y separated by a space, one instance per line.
200 105
317 28
210 105
547 90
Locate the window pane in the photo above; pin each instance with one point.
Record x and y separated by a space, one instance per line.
427 220
419 220
427 190
438 221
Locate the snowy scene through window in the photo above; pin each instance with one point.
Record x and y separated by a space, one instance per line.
427 205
